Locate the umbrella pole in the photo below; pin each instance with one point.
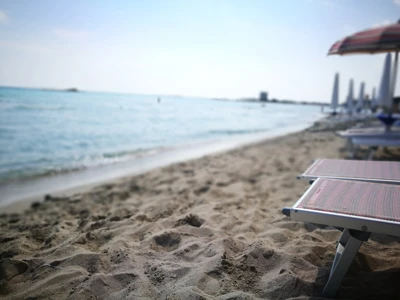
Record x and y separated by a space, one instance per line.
392 87
394 75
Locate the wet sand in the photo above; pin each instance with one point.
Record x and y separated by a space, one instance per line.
209 228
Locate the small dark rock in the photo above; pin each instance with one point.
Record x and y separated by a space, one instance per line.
35 205
192 220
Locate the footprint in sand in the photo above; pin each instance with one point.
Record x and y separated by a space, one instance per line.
209 285
167 240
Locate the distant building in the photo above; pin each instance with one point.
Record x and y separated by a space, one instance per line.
264 96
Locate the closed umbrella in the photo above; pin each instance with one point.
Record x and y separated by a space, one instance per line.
335 94
360 102
384 97
350 97
374 102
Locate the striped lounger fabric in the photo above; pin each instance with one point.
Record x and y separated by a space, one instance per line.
373 171
361 208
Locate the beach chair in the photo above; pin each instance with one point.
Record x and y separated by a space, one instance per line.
361 208
371 171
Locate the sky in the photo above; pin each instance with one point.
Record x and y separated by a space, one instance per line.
206 48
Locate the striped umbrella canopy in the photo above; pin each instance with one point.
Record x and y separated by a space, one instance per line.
375 40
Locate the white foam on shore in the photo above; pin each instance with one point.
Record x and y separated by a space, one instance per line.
13 192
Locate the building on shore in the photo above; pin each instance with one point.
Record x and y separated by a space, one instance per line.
263 96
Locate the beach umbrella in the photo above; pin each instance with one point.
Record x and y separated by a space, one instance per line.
375 40
384 96
350 97
360 102
335 93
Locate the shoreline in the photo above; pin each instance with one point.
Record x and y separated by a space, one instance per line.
20 195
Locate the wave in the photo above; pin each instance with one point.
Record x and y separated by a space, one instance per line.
26 107
34 173
235 131
52 168
140 152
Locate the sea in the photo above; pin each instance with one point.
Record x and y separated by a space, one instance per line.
53 140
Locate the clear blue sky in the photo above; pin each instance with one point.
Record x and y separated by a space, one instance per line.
211 48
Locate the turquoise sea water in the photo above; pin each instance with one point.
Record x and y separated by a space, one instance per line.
48 132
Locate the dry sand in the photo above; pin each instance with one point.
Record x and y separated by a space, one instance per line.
210 228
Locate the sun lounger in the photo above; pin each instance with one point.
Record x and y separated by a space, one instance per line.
361 208
377 141
368 132
373 143
372 171
372 137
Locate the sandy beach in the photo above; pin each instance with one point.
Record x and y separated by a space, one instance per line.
210 228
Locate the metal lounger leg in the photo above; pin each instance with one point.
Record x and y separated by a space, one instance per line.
349 144
353 150
347 248
370 153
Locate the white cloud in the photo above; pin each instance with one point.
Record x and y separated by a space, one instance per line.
397 2
383 23
70 34
24 47
3 17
